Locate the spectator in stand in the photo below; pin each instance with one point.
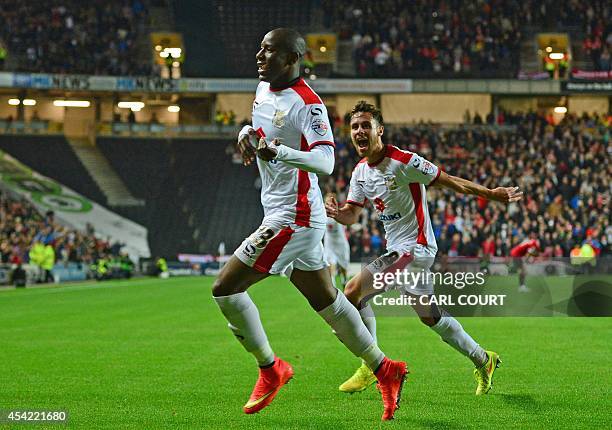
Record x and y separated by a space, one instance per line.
23 230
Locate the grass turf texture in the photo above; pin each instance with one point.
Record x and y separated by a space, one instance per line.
154 353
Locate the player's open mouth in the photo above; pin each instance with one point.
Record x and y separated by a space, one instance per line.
261 67
363 143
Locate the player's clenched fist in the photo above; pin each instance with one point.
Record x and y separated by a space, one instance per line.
246 149
506 194
267 151
331 205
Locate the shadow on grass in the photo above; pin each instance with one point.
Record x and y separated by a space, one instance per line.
525 402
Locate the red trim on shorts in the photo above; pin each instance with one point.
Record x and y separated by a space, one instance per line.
417 198
272 250
302 205
353 202
306 93
404 260
321 142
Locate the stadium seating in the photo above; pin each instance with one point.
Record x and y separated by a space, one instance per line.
237 28
195 196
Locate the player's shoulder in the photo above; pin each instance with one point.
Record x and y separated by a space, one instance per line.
262 88
361 166
305 94
400 155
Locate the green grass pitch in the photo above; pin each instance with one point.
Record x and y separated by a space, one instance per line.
151 353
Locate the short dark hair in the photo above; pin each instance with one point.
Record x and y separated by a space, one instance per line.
292 40
364 106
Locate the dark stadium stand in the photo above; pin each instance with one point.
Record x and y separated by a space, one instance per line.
238 28
195 196
52 156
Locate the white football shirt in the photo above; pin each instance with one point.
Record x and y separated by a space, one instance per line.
298 118
396 188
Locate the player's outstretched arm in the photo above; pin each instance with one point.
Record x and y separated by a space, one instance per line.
347 214
460 185
319 160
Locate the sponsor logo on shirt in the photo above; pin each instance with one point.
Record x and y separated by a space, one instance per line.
392 217
319 126
315 111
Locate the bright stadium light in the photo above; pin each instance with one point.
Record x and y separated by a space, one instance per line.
158 47
14 102
560 109
173 52
323 49
29 102
174 108
135 106
71 103
548 49
556 56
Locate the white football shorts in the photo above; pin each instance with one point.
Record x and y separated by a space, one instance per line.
337 252
277 249
408 258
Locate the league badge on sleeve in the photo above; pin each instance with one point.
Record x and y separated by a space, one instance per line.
319 126
427 168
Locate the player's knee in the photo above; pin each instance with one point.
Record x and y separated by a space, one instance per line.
223 287
219 287
428 321
353 292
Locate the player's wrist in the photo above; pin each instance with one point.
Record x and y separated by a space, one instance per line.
281 153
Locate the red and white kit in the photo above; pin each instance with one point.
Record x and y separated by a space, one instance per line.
525 248
396 188
294 213
337 248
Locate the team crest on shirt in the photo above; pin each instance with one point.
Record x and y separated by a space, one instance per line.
278 120
319 126
390 183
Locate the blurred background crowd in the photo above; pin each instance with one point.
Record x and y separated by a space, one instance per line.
69 36
392 37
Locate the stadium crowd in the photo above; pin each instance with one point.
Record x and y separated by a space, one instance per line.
564 170
392 37
68 36
598 28
25 233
